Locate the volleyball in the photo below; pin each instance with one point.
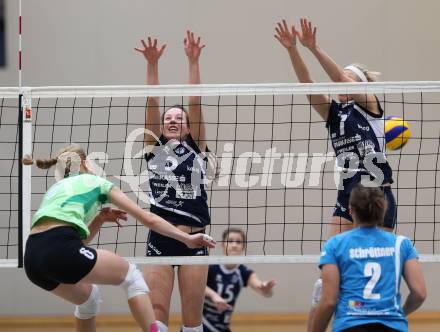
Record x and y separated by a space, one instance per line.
397 132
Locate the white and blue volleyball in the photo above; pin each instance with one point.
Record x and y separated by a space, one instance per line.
397 132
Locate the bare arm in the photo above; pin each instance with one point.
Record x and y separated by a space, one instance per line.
193 49
107 214
287 38
264 288
94 227
416 283
307 37
219 302
152 54
157 223
329 297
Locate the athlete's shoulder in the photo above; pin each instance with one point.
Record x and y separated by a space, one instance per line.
88 176
341 236
189 140
88 181
214 268
339 241
243 268
92 179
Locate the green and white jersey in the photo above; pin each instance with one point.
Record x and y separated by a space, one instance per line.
75 200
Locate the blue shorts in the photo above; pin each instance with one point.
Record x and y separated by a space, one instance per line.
341 207
160 245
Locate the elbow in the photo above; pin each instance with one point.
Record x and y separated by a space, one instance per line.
87 241
341 78
329 303
332 306
420 295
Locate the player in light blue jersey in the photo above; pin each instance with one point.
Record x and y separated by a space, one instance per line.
361 272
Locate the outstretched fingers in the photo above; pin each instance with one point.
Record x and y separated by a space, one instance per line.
150 49
284 35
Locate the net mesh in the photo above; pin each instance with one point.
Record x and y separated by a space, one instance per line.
276 162
9 182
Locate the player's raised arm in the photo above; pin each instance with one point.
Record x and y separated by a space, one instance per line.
193 48
288 39
152 53
349 74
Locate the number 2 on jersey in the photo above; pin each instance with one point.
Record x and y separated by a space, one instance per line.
372 270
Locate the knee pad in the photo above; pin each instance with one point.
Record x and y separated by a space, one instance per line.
192 329
316 295
161 326
134 283
90 308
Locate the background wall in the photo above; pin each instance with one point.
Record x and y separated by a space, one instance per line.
91 43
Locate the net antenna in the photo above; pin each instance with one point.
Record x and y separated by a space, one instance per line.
25 134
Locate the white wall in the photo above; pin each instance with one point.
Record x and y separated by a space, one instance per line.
91 43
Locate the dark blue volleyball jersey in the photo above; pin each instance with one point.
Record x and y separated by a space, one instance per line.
177 173
228 284
358 139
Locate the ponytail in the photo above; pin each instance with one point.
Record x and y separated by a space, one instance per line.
368 205
70 157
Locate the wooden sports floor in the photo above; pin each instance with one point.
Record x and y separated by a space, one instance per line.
419 327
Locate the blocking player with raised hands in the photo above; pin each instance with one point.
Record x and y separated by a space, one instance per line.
177 170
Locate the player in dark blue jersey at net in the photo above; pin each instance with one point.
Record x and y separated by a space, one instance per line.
355 123
362 270
225 283
177 173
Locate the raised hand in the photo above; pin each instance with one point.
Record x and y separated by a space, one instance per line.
108 214
151 51
200 240
307 37
286 37
193 46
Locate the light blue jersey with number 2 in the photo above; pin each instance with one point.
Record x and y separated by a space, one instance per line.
370 263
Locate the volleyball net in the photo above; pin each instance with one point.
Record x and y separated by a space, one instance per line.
275 165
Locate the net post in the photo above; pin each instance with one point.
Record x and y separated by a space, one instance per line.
20 184
25 175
